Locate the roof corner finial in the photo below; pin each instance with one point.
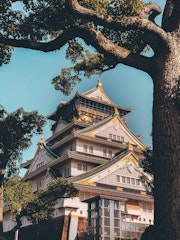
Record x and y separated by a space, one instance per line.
116 112
99 83
42 141
130 146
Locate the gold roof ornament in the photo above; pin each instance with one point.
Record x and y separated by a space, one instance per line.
130 146
116 112
42 140
99 83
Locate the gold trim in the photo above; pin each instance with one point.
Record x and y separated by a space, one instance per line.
99 83
74 216
131 159
119 189
116 112
88 183
130 147
143 193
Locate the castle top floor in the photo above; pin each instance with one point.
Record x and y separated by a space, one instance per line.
89 107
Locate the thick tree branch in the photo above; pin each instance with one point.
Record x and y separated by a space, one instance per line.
171 15
55 44
151 10
92 37
125 23
110 50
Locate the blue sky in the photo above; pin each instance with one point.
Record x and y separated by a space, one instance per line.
26 82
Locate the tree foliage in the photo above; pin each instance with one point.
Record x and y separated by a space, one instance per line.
17 194
17 129
49 19
147 164
39 206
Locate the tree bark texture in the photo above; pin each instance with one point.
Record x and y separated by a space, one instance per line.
166 140
1 203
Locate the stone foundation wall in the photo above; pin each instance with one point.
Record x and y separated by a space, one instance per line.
54 229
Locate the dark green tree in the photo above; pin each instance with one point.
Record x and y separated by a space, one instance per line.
16 131
39 206
147 164
119 31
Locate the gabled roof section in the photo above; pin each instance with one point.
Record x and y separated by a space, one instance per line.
120 177
126 159
99 94
112 128
43 156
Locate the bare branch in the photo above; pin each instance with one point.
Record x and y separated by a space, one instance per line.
125 23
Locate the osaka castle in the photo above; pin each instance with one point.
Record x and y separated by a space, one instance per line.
92 147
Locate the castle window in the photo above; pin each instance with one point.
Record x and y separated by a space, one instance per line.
79 167
118 178
85 147
137 182
128 180
39 165
123 179
66 172
90 149
114 137
104 153
110 153
84 168
118 138
147 207
132 181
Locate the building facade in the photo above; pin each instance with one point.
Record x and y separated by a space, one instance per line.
92 146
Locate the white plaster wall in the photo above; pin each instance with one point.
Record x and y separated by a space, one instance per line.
65 166
97 150
74 167
79 207
8 222
143 217
111 179
99 94
40 158
41 182
71 147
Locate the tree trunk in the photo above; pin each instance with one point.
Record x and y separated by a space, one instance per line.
166 137
1 203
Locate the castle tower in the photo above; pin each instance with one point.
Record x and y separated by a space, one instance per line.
92 146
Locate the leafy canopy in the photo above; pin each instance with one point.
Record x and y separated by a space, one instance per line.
17 129
39 206
44 20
